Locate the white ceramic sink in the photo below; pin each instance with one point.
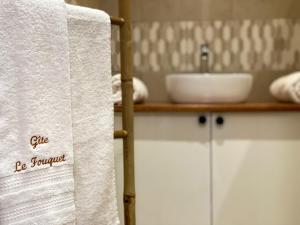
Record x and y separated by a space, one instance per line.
209 88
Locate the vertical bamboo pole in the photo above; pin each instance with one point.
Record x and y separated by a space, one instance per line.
127 112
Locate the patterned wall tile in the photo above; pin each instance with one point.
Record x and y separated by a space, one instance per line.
237 45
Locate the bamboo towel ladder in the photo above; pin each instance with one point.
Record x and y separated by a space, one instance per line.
124 22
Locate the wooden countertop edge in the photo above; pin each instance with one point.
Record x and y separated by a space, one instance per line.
241 107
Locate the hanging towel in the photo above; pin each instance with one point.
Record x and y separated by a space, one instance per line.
36 155
140 91
287 88
92 107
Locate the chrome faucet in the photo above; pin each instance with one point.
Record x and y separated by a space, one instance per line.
204 57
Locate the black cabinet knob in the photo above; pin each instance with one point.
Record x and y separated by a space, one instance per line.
202 120
219 120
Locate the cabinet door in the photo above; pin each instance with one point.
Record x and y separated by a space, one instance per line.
171 169
256 163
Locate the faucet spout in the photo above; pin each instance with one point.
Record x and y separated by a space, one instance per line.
204 58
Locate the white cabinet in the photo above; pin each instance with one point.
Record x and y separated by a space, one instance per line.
244 172
256 162
172 169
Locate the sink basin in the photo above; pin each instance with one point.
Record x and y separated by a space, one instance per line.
209 88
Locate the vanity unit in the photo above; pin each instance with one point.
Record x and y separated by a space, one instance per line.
216 164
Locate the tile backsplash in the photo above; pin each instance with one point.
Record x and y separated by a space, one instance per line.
235 45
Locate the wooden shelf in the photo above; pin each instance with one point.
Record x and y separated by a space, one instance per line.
243 107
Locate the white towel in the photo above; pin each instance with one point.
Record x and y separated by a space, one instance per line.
140 91
92 107
287 88
36 155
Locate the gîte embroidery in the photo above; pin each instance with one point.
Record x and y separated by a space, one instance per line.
38 140
36 162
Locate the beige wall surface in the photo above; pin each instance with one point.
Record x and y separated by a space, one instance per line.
261 37
174 10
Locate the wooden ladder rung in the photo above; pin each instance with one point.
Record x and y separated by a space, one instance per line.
117 20
118 134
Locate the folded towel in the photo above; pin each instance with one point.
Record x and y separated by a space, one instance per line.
36 166
287 88
92 107
140 91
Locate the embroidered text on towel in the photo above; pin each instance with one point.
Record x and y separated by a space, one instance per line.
36 162
38 140
39 162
